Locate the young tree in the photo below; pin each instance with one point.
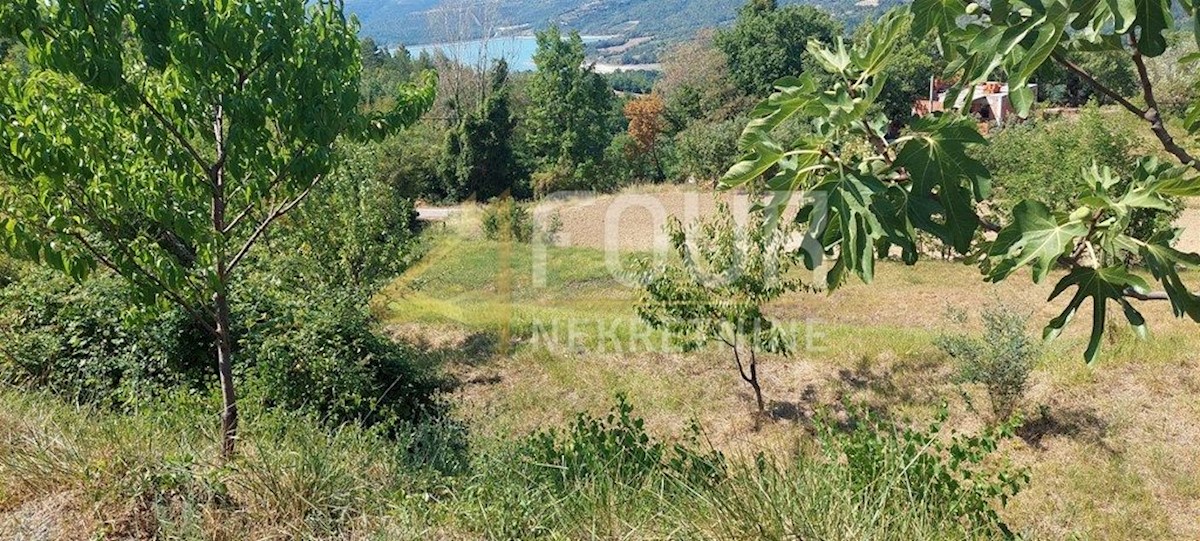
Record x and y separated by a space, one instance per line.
479 157
766 43
163 139
716 290
570 104
858 204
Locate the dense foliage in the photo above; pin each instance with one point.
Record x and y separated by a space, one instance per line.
571 106
860 200
1042 160
768 43
165 153
480 162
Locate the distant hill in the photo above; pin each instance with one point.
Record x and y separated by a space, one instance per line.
412 22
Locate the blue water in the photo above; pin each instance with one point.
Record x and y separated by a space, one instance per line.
517 50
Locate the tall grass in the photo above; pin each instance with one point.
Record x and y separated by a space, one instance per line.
147 475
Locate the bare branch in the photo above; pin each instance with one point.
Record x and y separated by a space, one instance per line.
271 217
1091 81
738 359
1152 114
1149 296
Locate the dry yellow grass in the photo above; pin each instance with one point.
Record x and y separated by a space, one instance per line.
1110 446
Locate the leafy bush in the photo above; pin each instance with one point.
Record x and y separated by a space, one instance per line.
505 219
604 175
1001 360
555 483
322 355
704 150
1044 161
317 354
615 448
871 481
84 343
942 476
356 229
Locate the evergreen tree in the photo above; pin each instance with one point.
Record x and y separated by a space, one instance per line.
479 157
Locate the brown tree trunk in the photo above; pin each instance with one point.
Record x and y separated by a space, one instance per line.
229 414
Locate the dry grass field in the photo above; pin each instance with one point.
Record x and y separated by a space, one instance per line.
1110 446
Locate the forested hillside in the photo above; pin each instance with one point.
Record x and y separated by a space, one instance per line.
419 21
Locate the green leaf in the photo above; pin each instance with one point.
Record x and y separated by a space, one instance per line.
1022 100
935 15
839 215
1124 13
940 169
760 157
1034 238
1153 17
877 51
1099 285
793 95
1164 263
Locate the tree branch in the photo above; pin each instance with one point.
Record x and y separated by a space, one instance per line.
738 359
173 130
197 315
1091 81
271 217
1152 114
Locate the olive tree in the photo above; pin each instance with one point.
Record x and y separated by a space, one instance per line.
860 204
163 139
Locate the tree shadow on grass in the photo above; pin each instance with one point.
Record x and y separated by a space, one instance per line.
1075 423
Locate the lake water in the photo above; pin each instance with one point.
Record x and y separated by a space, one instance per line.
517 50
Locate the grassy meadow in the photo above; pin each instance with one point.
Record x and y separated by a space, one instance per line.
1107 448
1107 445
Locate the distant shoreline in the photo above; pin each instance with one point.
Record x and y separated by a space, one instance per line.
613 68
586 38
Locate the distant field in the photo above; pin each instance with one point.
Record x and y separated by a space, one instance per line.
1110 446
633 219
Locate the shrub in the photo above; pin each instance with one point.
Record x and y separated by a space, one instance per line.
873 480
569 483
1001 359
357 228
604 175
1043 161
84 343
317 354
705 150
321 354
505 219
615 448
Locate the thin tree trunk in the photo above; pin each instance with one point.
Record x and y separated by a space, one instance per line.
758 397
229 413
